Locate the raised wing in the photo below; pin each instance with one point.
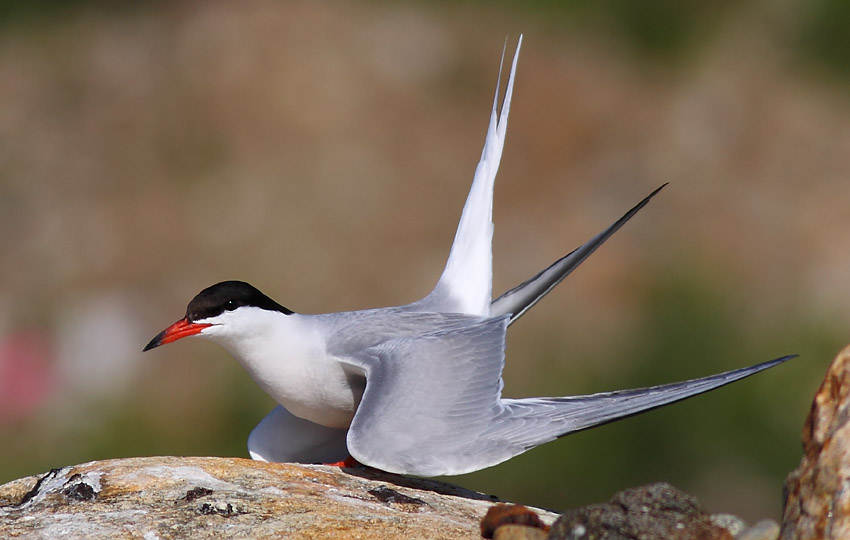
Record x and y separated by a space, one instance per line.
523 297
467 281
428 400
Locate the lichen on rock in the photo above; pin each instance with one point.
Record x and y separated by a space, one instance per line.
191 497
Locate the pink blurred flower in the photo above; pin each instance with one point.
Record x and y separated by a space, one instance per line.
26 374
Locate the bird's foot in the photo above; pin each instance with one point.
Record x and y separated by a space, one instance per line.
347 463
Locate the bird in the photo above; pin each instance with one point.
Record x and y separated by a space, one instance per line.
415 389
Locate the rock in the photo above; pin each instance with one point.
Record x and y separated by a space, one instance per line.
731 523
512 521
766 529
653 511
171 497
519 532
817 502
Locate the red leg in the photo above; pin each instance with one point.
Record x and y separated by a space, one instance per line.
348 463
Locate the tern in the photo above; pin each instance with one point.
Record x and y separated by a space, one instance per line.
414 389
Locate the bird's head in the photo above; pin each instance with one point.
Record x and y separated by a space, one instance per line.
223 309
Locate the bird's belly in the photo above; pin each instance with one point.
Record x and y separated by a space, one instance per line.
324 392
328 408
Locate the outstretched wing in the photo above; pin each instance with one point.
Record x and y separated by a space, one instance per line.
522 297
526 423
466 283
428 399
432 404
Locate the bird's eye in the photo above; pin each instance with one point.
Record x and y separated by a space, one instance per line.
231 305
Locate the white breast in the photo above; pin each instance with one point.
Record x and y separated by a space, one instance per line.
286 355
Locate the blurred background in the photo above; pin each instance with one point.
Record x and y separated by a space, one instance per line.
323 151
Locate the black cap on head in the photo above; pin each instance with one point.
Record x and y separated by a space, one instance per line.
227 296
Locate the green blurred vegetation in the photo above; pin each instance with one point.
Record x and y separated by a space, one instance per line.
824 36
656 29
667 32
47 11
660 30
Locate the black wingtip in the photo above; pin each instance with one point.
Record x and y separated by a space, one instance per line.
785 359
642 203
539 286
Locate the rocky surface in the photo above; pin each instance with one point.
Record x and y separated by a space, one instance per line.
169 497
653 511
162 498
817 501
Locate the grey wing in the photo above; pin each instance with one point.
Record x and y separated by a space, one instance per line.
429 399
283 437
523 297
529 422
435 406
